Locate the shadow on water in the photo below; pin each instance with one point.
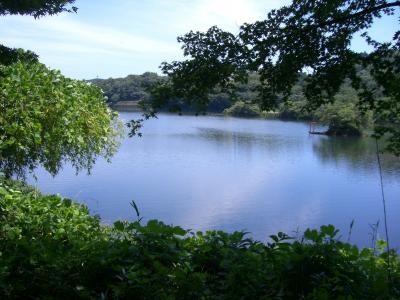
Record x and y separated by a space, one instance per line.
269 142
358 154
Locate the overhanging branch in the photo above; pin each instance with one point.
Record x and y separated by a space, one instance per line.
359 14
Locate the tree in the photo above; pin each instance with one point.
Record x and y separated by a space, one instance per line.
36 8
243 109
47 119
343 117
307 36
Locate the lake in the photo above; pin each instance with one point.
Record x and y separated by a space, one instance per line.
261 176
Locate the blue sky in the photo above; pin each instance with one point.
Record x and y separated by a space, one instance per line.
120 37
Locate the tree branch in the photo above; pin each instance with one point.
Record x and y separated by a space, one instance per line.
360 13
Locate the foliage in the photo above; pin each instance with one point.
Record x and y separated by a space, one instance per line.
130 88
136 87
342 120
9 56
139 87
48 119
51 248
36 8
243 109
343 116
36 232
305 36
295 110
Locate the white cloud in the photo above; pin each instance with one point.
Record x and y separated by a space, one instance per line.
225 12
229 14
124 37
83 36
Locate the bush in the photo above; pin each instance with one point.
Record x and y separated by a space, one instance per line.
51 248
294 110
243 109
344 119
47 119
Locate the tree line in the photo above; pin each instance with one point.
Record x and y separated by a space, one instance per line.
343 116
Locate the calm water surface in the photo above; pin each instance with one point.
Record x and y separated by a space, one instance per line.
260 176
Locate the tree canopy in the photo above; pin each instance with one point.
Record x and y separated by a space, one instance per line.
129 88
36 8
307 36
138 88
46 118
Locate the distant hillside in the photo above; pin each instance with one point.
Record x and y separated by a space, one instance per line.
343 117
123 93
129 88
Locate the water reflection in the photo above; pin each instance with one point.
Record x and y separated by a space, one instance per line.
233 174
271 142
358 154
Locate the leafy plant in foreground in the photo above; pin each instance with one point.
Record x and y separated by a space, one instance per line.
48 119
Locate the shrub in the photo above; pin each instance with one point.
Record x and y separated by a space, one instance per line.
47 119
243 109
294 110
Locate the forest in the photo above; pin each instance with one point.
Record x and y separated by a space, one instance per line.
343 117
